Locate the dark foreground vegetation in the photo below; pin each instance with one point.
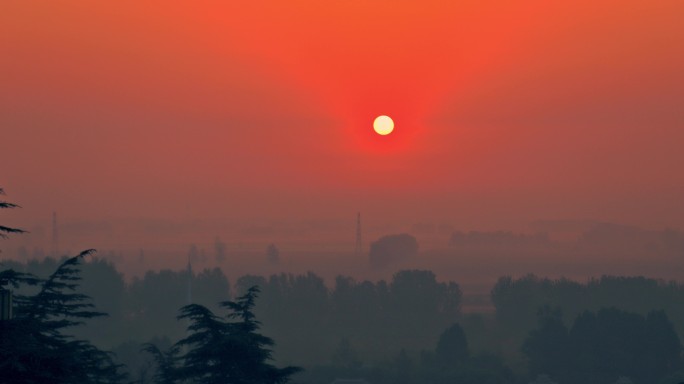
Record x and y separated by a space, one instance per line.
36 347
185 327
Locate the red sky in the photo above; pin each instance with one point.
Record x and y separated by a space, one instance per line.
505 112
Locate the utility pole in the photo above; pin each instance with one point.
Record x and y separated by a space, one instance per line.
358 249
55 238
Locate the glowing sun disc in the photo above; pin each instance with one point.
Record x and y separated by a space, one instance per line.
383 125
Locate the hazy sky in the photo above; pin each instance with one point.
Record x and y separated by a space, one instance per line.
505 112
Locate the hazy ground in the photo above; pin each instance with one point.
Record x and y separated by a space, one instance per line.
574 250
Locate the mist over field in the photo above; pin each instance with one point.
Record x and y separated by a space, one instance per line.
575 249
493 306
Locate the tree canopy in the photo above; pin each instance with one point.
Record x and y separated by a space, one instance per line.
218 349
35 346
4 231
604 346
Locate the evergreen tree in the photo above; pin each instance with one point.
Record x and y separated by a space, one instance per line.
34 345
4 231
166 363
222 350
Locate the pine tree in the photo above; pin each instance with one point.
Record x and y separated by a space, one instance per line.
34 345
222 350
4 231
166 363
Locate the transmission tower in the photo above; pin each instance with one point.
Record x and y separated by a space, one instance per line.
55 238
358 249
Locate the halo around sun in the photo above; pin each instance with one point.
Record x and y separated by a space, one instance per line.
383 125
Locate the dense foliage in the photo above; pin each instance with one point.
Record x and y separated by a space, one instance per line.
518 301
4 230
384 331
35 346
221 350
601 347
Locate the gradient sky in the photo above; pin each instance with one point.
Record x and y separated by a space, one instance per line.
505 112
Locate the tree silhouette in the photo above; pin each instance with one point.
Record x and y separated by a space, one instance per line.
166 363
452 347
221 350
603 346
391 249
547 346
34 345
4 231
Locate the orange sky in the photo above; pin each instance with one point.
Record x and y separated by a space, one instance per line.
505 111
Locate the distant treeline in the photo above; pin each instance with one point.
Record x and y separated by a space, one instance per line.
381 329
518 301
306 317
595 236
498 239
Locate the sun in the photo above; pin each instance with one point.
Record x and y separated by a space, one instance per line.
383 125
